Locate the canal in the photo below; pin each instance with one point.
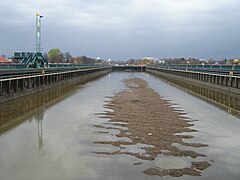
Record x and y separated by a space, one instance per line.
52 135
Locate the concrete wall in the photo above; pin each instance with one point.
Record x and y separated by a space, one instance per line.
13 88
223 82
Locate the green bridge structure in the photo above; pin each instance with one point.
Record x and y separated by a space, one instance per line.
31 60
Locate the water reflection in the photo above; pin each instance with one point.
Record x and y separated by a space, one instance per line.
40 135
30 108
226 100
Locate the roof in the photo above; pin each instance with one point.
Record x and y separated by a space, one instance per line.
4 60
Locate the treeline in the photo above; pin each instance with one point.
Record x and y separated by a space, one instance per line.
140 61
56 56
195 61
185 61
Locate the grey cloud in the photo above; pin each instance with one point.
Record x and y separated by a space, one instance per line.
125 29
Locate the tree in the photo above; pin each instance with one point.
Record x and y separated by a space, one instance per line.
77 60
61 58
55 55
67 57
131 61
225 61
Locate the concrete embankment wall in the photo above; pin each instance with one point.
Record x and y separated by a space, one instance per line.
13 88
227 83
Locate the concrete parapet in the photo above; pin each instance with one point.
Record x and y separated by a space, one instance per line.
13 88
228 82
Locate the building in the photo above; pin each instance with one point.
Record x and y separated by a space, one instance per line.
4 60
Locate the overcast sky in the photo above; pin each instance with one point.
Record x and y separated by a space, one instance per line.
124 29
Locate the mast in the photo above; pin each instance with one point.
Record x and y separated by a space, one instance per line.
38 32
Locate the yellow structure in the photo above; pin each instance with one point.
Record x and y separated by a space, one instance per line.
236 61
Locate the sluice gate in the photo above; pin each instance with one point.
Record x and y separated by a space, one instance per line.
129 68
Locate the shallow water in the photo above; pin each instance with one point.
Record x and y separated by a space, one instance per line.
51 135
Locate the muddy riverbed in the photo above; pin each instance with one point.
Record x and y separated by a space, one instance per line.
151 121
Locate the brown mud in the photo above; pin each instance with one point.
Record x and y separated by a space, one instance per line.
141 115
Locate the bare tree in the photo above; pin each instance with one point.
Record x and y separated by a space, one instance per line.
67 57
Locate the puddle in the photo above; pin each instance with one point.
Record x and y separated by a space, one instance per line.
136 148
172 162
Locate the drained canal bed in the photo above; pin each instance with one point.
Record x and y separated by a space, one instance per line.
152 125
121 126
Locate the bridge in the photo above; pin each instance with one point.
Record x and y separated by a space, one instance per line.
129 68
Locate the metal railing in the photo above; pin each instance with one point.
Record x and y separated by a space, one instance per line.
198 66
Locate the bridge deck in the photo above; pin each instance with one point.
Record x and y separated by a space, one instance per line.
129 68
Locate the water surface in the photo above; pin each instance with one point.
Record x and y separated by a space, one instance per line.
50 135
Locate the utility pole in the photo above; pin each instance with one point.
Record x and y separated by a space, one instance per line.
38 32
